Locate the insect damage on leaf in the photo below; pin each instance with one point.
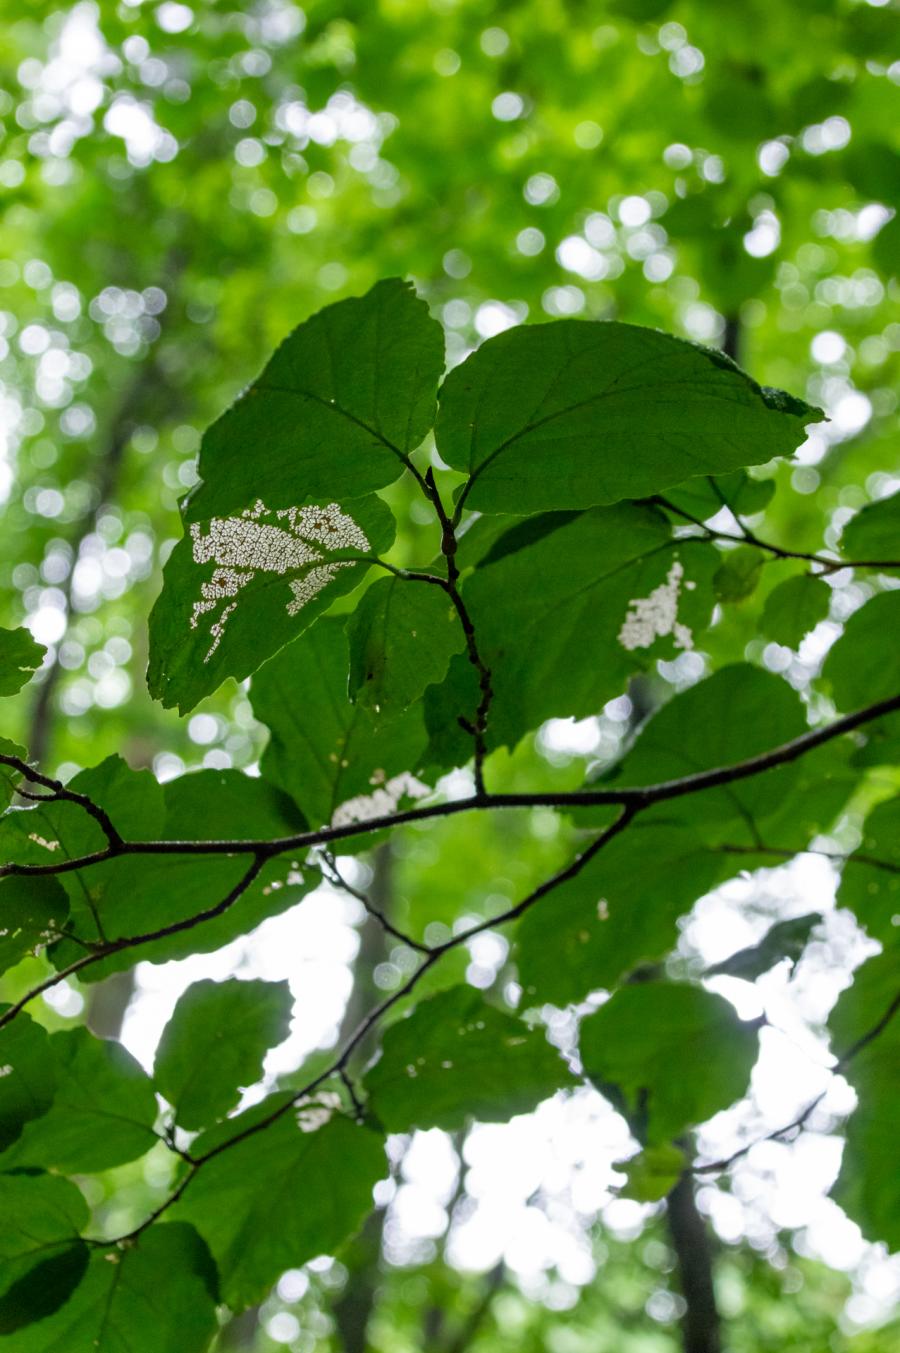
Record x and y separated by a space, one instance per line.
382 801
241 547
656 615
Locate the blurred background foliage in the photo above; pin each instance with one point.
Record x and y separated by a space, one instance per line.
183 183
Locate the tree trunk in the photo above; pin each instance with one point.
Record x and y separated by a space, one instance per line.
700 1325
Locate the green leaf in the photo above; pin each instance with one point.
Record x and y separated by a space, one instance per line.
238 588
785 939
402 636
874 533
868 1186
42 1287
154 1296
136 894
652 1174
870 881
637 1046
737 713
572 415
28 1083
20 657
880 743
862 666
32 911
455 1057
795 607
339 406
886 255
215 1043
102 1113
336 760
42 1258
568 606
620 911
61 830
133 798
810 798
450 710
9 777
705 496
271 1203
739 572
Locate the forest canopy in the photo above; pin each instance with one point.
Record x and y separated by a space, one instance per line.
449 682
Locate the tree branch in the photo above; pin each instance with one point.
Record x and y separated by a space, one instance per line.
336 878
641 796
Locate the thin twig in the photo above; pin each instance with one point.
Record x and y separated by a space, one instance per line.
717 1166
336 878
797 1123
748 537
60 793
98 952
839 857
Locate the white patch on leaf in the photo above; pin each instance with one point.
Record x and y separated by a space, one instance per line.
312 1114
655 616
40 841
380 802
253 543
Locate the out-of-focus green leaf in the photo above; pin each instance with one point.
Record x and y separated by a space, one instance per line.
102 1113
214 1045
881 745
32 912
316 1186
28 1084
739 572
871 630
865 1026
870 881
795 607
636 1048
155 1296
41 1254
654 1172
620 911
874 533
572 415
785 939
455 1057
